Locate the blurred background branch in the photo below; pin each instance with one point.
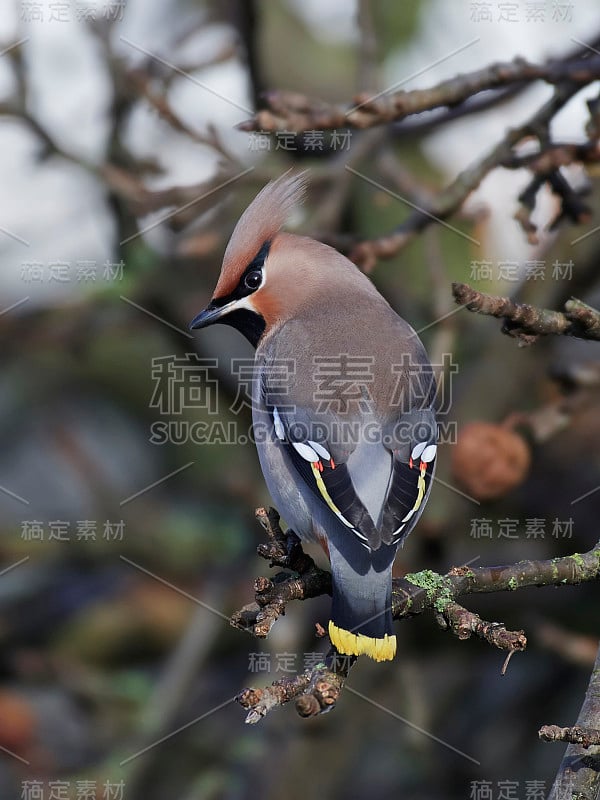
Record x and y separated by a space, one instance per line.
291 111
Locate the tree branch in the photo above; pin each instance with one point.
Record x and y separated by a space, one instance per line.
448 201
318 689
292 111
526 322
283 550
586 737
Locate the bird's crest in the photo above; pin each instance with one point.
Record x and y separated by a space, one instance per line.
260 222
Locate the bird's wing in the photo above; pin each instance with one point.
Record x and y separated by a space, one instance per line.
374 478
414 452
320 458
364 447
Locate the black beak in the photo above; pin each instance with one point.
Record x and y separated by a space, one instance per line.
212 313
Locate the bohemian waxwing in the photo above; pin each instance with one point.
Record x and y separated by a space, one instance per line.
342 407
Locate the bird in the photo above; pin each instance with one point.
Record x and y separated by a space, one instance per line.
343 406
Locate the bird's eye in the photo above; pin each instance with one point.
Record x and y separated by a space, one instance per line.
253 279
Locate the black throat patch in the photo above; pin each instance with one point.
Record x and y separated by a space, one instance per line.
249 323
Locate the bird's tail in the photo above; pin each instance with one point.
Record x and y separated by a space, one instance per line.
361 611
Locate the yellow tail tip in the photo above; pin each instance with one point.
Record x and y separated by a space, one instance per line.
357 644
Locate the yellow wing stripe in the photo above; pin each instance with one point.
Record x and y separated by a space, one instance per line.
325 494
421 488
357 644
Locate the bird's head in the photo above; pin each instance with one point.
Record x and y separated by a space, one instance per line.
258 276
